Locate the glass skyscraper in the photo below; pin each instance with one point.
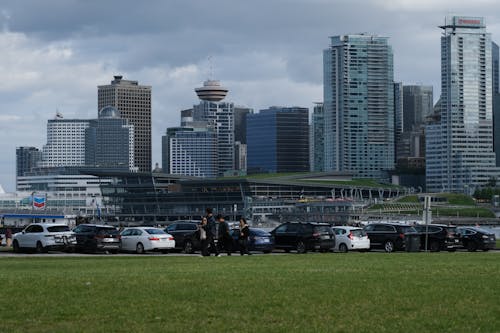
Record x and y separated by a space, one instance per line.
359 105
463 157
278 140
317 139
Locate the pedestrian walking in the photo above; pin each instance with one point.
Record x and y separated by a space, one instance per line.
211 230
224 236
243 238
203 237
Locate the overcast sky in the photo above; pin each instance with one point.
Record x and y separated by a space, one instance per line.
54 53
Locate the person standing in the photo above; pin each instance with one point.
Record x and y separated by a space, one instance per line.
243 238
211 230
225 240
203 237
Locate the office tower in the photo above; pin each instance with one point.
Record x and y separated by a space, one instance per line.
65 143
496 100
495 58
465 158
417 105
220 118
240 137
317 139
190 151
27 158
278 140
134 103
359 105
398 115
109 141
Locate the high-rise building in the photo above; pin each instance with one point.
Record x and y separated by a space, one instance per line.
495 66
134 103
317 139
220 118
398 115
278 140
190 151
65 143
109 141
463 158
359 105
27 158
417 105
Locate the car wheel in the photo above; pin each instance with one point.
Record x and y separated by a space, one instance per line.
389 246
15 246
188 247
301 247
266 251
486 250
434 246
139 248
343 248
471 247
287 250
164 251
39 247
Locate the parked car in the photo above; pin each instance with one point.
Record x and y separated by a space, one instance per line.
142 239
439 237
186 235
258 240
303 236
350 238
95 237
475 238
393 236
43 237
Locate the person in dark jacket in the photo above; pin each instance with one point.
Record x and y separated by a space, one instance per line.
211 230
243 238
224 238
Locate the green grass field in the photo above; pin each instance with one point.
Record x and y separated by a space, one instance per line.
371 292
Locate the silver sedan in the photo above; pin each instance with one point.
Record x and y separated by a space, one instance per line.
142 239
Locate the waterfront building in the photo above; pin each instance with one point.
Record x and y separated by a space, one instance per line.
190 151
65 143
109 141
27 158
133 101
359 105
464 159
278 140
317 139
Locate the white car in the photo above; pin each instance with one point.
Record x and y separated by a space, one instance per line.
350 238
142 239
42 237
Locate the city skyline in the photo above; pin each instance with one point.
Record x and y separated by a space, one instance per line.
55 55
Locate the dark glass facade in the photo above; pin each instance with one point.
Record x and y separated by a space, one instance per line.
278 140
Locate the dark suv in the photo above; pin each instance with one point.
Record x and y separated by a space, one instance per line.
303 236
474 238
439 237
95 237
186 235
393 236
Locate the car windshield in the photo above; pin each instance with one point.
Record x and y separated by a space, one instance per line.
259 232
322 229
484 231
155 231
58 228
408 229
108 231
358 232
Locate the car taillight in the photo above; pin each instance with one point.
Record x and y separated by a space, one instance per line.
316 234
402 236
153 238
99 236
351 236
170 238
119 237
